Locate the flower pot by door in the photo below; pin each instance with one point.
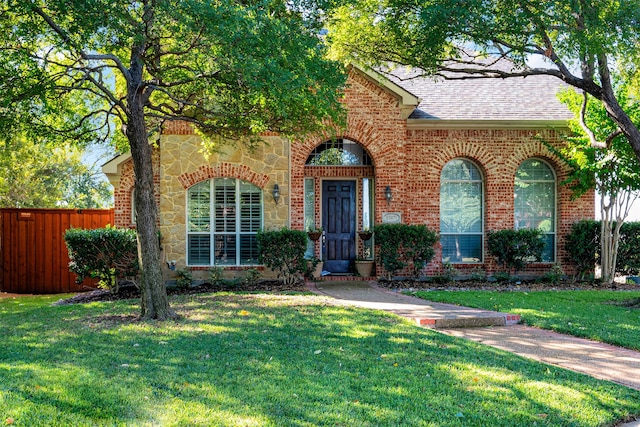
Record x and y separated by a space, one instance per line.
318 271
314 235
364 268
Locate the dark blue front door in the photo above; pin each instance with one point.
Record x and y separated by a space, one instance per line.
339 222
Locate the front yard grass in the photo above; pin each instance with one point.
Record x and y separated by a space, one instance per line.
268 360
594 314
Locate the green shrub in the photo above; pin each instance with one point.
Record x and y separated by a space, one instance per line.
252 275
108 254
185 278
310 266
440 280
402 245
283 251
555 275
502 276
216 275
449 272
583 246
629 249
514 249
478 275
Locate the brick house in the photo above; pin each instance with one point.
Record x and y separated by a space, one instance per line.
463 157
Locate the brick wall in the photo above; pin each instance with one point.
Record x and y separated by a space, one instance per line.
410 161
123 192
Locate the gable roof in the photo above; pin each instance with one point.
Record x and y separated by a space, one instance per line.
113 168
407 101
516 101
515 98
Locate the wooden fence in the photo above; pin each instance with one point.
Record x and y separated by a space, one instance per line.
33 253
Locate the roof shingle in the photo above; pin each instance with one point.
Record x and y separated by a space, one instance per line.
515 98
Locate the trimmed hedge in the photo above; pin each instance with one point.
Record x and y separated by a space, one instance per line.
629 249
583 247
283 250
108 254
514 249
402 245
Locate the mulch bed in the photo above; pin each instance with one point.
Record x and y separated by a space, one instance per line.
131 292
524 285
276 286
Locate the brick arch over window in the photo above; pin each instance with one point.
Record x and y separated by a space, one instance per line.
123 196
226 170
539 150
358 131
127 181
475 152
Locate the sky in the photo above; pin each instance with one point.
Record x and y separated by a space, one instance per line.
634 215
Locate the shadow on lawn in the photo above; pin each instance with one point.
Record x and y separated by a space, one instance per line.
280 360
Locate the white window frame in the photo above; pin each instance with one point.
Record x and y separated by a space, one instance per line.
212 233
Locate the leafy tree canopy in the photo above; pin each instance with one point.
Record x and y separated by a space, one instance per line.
582 43
37 175
610 169
233 69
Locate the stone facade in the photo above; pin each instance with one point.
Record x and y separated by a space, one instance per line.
408 156
184 165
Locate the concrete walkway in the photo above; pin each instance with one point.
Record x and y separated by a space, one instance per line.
599 360
424 313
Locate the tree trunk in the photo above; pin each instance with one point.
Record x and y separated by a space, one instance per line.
611 223
154 302
606 240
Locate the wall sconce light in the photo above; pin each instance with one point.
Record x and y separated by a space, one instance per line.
171 265
388 195
276 193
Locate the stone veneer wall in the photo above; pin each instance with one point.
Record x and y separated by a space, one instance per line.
183 165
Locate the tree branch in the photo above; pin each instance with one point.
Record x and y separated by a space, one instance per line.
583 124
107 57
65 37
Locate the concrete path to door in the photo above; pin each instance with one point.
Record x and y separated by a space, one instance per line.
498 330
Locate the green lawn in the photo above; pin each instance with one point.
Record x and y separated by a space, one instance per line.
596 315
258 360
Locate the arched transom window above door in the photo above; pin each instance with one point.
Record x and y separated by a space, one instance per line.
339 152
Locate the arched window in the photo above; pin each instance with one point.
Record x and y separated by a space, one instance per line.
535 202
339 152
461 212
223 217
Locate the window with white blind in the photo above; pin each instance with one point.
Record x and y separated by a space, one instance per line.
223 217
535 202
461 212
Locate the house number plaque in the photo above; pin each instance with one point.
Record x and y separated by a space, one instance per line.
391 217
